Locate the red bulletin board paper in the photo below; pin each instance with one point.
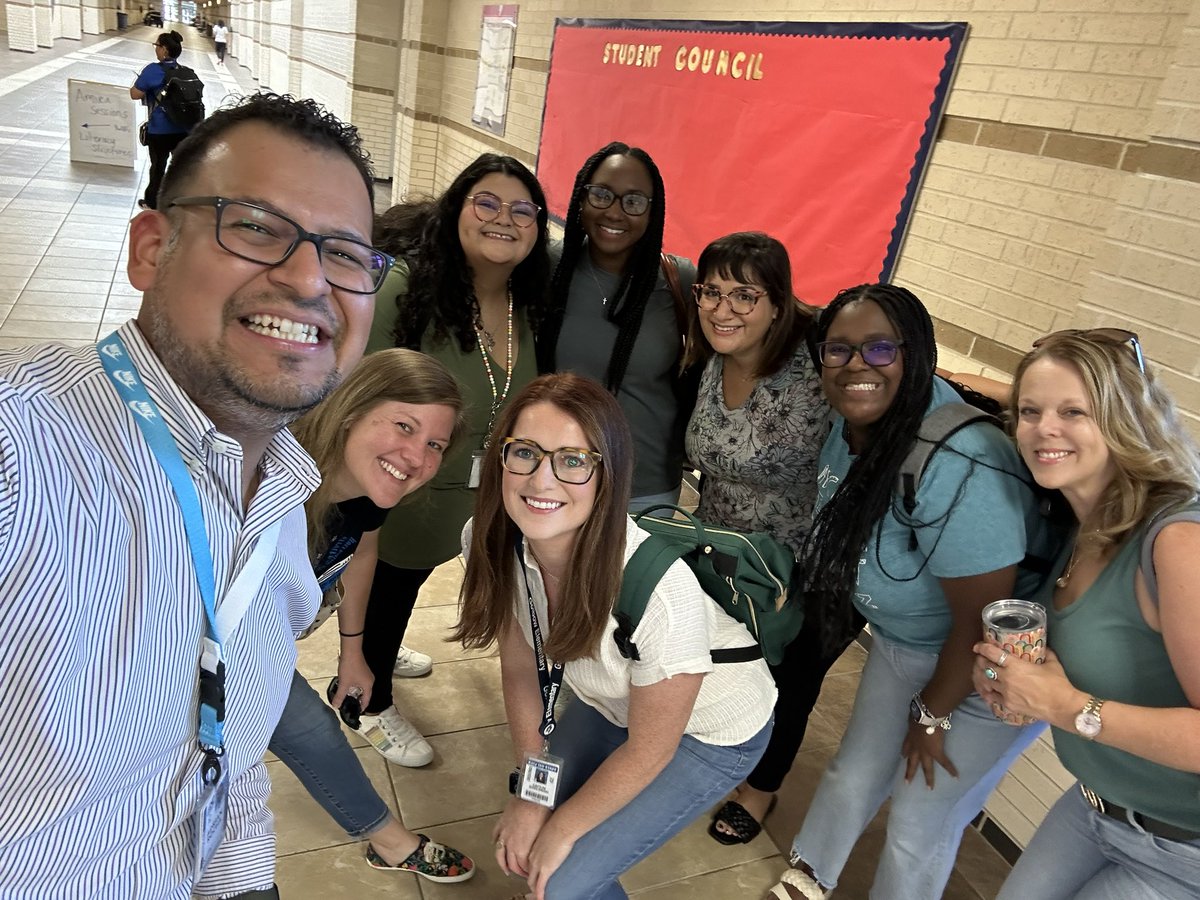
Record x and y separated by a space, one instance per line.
820 142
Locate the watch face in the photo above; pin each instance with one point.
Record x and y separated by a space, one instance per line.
1087 723
914 710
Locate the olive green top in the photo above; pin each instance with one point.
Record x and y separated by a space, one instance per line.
424 530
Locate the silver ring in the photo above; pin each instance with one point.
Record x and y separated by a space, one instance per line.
499 845
990 673
1003 658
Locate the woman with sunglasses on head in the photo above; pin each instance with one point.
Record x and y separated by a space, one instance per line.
921 577
162 135
376 439
759 422
1121 683
469 289
647 743
618 310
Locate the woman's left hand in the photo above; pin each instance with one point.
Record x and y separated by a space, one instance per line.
548 853
353 672
922 750
1024 689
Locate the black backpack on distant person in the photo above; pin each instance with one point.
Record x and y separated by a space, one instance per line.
181 96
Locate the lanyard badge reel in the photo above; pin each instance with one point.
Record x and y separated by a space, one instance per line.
210 813
541 773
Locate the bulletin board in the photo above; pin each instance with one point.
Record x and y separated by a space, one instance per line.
817 133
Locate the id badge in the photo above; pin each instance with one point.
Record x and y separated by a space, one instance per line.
539 779
476 469
210 823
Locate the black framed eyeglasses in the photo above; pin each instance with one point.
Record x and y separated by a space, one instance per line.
1104 335
742 300
488 206
570 465
835 354
600 197
263 236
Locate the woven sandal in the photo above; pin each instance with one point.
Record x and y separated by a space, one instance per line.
744 827
431 860
809 887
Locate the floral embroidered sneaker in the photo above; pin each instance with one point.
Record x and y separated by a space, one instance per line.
431 860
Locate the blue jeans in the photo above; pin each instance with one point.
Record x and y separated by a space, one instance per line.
1078 854
924 826
696 777
309 741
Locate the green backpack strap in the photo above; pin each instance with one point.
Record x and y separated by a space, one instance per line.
643 572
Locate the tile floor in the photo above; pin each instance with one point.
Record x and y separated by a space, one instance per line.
62 247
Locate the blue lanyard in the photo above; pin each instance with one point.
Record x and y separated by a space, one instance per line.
126 380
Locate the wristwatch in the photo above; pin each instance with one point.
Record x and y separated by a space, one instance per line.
1088 723
919 713
514 779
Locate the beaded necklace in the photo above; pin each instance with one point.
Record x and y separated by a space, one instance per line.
498 397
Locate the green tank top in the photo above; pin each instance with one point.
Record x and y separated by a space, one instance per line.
1109 651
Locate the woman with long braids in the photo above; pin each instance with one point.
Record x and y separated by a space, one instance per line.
918 733
469 288
617 317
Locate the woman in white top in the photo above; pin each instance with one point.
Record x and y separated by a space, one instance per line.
220 36
649 743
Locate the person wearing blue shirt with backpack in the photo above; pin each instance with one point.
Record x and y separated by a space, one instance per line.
920 573
163 135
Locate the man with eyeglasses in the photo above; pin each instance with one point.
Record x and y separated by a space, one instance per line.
154 565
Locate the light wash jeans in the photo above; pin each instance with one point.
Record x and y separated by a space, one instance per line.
696 777
309 741
1078 854
924 826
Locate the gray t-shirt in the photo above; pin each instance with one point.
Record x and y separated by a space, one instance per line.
585 345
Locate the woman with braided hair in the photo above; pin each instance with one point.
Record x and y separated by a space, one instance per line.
617 317
921 577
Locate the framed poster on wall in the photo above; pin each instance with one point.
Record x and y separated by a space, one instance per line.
817 133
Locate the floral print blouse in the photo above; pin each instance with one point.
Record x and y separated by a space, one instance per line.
759 460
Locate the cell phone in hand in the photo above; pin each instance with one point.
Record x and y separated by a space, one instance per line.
350 710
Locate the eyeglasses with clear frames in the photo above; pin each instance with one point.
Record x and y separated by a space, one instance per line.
742 300
487 208
570 465
263 236
880 353
1105 335
635 203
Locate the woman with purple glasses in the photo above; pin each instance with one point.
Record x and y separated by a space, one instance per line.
918 733
1121 683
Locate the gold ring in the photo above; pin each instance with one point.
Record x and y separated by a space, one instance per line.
1003 658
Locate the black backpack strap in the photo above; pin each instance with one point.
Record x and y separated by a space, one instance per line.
936 428
1157 524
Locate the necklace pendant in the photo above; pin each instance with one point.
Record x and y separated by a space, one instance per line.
1061 581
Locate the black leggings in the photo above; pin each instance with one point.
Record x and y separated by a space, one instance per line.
798 678
161 146
393 596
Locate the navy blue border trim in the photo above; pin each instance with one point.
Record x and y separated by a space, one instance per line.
954 32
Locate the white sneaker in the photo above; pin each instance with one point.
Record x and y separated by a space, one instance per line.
411 663
396 739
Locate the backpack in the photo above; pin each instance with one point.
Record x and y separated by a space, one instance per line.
181 96
937 428
747 575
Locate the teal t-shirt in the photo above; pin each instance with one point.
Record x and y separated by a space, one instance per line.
975 512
